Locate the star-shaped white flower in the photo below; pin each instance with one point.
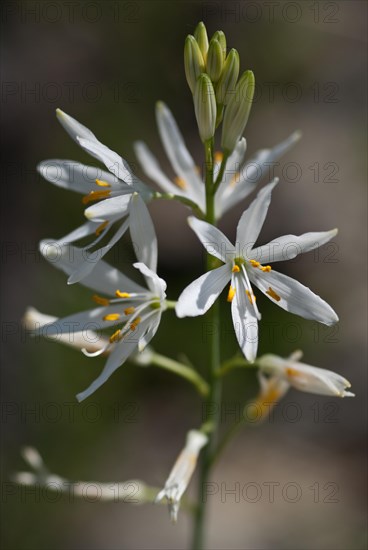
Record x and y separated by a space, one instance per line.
276 371
133 310
239 180
182 472
113 189
245 265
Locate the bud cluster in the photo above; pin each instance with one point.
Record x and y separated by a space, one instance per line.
212 75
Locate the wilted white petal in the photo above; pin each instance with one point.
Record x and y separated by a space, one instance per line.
199 296
293 296
143 233
182 472
213 240
252 219
289 246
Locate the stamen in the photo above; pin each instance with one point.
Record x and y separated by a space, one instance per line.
218 156
129 310
115 337
120 294
251 297
112 317
292 372
101 227
254 263
180 182
234 180
231 294
100 301
273 294
265 268
95 196
135 323
235 269
102 183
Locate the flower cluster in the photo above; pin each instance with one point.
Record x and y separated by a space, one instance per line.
128 314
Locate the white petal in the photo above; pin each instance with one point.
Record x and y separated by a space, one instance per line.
213 240
120 354
293 296
180 158
151 331
289 246
154 282
252 219
107 209
74 176
152 169
113 162
254 170
73 127
91 259
244 321
143 233
83 231
199 296
104 278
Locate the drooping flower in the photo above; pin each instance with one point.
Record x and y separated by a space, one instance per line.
113 189
243 265
133 311
239 179
290 371
182 472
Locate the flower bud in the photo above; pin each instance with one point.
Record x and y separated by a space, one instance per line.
200 34
205 107
237 111
228 77
215 60
220 37
193 61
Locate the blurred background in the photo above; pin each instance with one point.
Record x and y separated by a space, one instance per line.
107 63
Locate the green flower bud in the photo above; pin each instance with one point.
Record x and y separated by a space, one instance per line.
200 34
205 107
220 36
193 61
215 60
228 77
237 111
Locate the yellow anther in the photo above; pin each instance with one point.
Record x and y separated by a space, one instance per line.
120 294
254 263
273 294
129 310
234 180
265 268
112 317
292 372
100 301
101 227
135 323
218 156
180 182
115 337
95 196
231 294
235 269
101 183
251 297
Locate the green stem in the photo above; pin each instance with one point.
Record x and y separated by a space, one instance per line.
184 371
214 396
235 362
179 198
221 171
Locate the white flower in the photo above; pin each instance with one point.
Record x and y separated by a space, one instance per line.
239 180
301 376
133 308
243 266
182 472
113 188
